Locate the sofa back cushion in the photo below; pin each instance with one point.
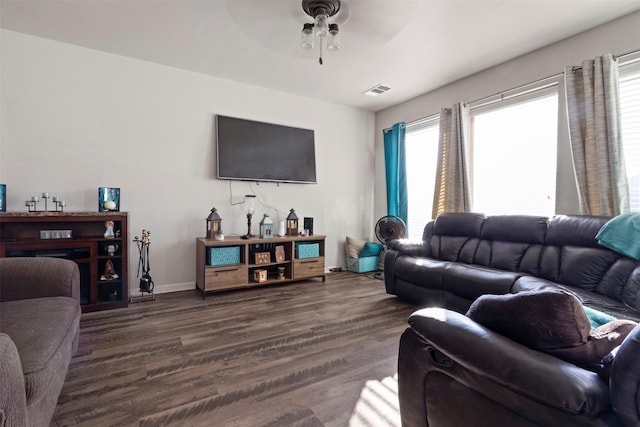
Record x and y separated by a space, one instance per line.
515 228
454 236
505 242
584 267
574 230
631 291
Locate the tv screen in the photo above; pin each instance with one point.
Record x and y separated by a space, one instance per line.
256 151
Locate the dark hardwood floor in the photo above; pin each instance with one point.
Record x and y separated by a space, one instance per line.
297 354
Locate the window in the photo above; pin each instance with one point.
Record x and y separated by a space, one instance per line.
514 151
421 150
630 122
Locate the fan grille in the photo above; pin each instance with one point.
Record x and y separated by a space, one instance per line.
389 228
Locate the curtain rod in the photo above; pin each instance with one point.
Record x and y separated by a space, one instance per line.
487 99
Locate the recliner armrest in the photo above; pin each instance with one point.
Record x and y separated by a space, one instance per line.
409 247
624 381
529 373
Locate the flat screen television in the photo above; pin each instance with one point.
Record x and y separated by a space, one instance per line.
255 151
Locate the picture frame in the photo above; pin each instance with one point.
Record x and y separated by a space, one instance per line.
262 257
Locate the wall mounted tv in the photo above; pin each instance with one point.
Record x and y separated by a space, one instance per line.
256 151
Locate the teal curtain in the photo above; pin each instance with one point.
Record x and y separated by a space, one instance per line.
396 171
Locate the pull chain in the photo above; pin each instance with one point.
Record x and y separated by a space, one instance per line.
320 59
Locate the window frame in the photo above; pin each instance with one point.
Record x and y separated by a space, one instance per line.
550 86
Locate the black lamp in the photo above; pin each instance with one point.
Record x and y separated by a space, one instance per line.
249 208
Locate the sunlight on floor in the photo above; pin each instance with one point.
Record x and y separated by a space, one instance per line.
377 405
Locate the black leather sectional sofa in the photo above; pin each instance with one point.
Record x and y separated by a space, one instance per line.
465 255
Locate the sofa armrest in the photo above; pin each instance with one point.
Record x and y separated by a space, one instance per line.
624 381
33 277
13 399
415 248
536 376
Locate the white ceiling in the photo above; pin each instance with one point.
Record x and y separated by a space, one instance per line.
412 46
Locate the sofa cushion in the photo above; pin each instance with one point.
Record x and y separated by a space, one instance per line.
466 224
584 267
471 281
370 249
574 230
541 320
631 291
515 228
43 330
426 271
354 246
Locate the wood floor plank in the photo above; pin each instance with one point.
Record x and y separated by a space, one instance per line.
298 354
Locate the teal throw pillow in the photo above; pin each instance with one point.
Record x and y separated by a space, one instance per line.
370 249
597 318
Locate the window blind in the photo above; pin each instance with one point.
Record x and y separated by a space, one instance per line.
630 121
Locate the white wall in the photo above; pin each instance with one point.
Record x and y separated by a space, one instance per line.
74 119
617 37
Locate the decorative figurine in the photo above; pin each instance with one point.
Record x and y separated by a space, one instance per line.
109 271
111 249
108 232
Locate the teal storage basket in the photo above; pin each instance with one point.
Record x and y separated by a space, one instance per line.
362 265
307 250
226 255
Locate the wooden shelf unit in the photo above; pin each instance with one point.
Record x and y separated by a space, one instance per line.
20 236
239 273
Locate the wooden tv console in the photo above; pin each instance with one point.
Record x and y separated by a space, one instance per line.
241 271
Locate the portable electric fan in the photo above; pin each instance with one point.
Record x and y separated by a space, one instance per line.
388 228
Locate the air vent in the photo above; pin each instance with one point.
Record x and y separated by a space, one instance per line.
376 90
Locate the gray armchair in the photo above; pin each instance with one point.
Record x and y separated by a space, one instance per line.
39 331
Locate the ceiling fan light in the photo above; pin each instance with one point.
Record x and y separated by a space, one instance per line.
333 42
321 25
306 37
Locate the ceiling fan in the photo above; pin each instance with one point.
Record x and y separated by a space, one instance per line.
321 11
362 24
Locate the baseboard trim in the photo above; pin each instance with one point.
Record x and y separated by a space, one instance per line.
170 287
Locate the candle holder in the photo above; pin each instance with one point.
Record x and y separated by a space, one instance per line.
3 197
108 199
32 204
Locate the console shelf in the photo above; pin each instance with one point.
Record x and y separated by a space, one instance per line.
20 235
232 263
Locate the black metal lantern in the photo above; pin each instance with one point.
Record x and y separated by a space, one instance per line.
292 223
214 224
